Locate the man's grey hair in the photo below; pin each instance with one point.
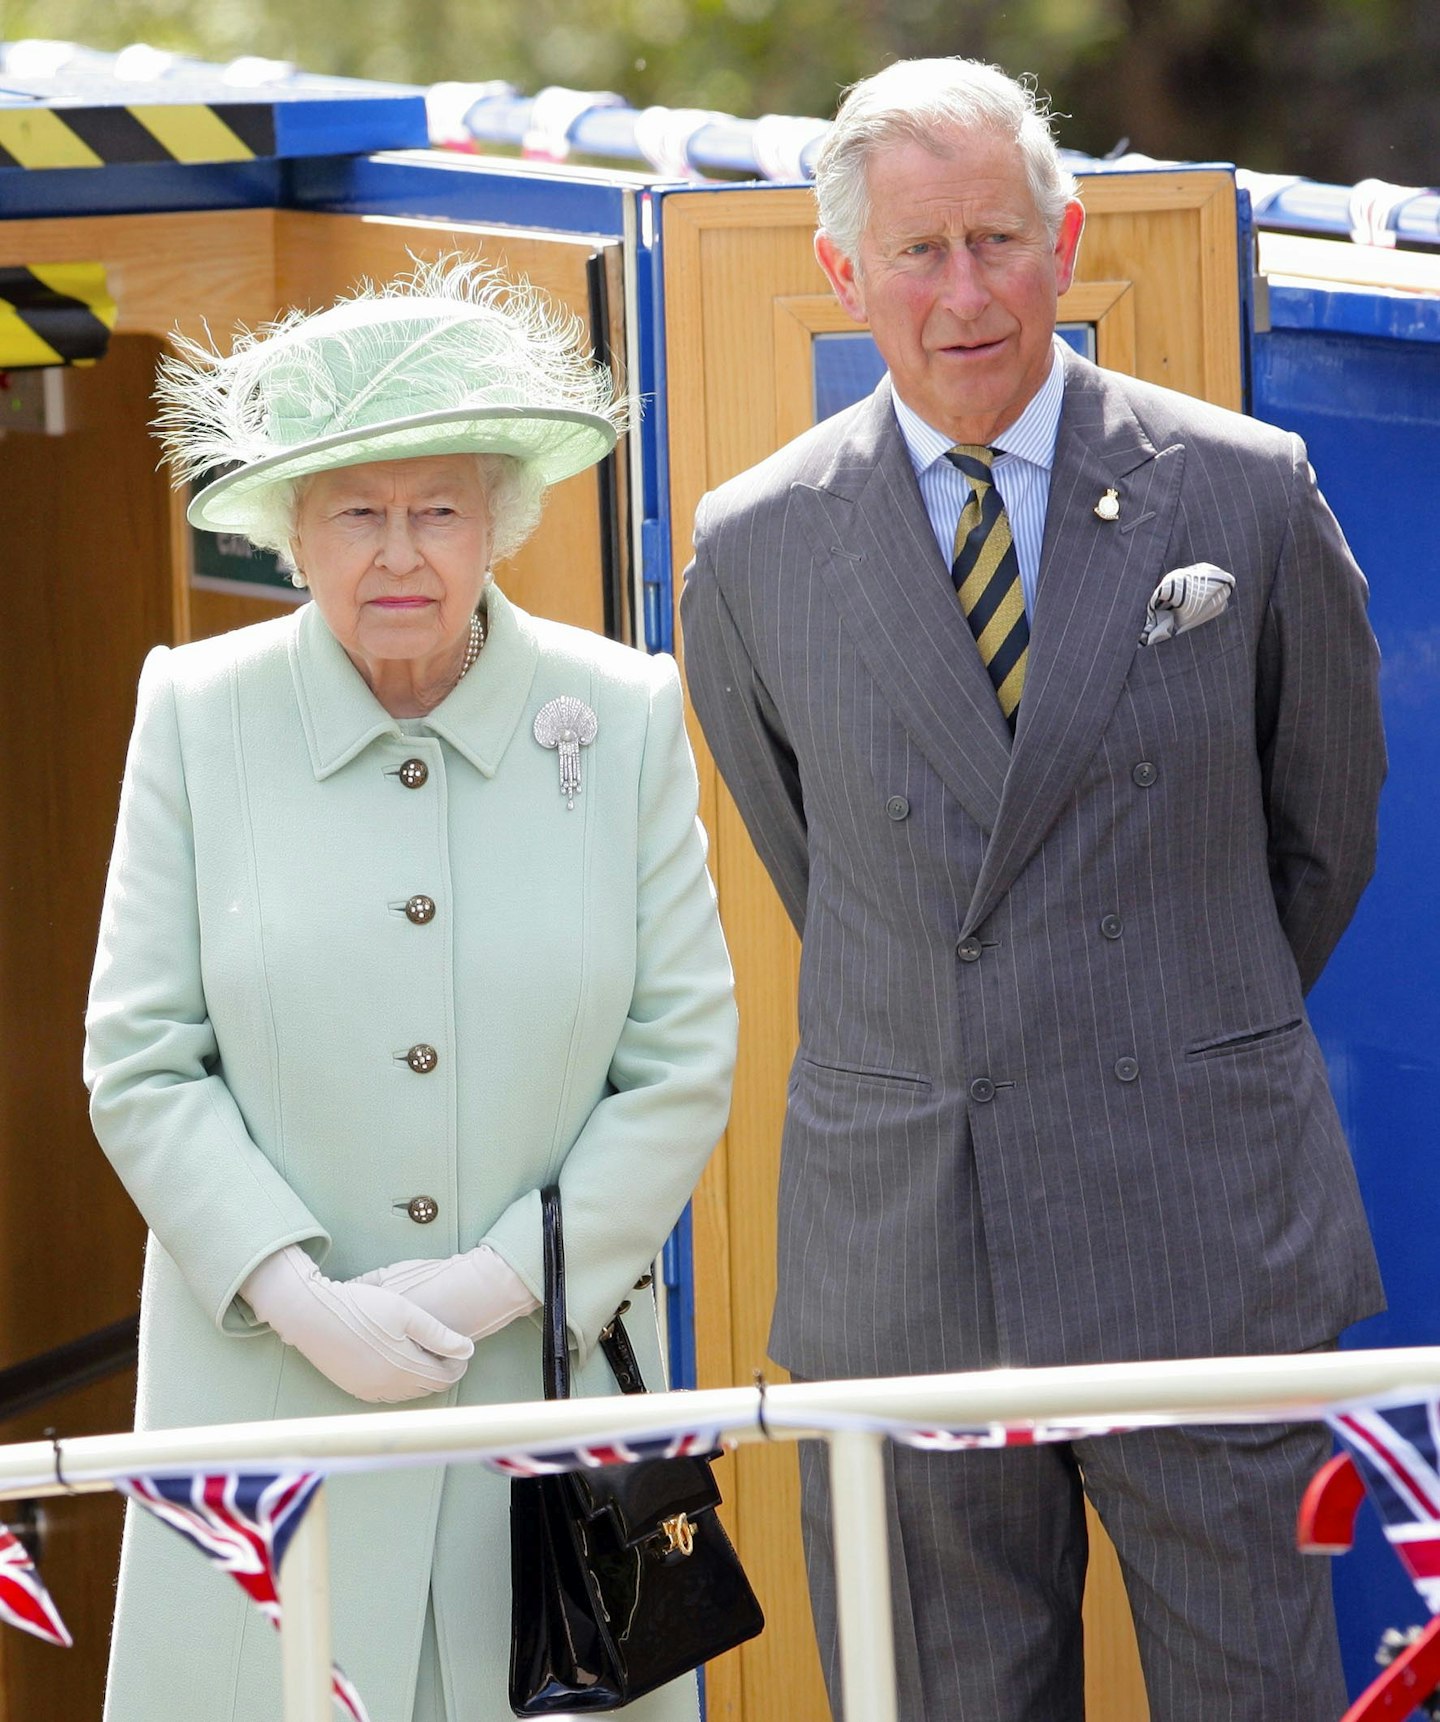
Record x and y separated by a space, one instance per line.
926 102
514 489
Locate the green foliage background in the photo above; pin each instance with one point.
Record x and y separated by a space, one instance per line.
1334 89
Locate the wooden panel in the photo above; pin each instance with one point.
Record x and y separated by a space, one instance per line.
1158 278
1172 235
85 522
558 573
163 270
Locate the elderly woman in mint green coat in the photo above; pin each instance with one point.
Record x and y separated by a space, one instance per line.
367 979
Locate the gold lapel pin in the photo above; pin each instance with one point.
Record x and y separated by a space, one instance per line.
1108 507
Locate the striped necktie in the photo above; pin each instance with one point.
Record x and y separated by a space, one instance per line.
986 573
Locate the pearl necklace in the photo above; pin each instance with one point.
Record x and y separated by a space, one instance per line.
472 646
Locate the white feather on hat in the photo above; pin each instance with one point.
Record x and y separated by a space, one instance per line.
449 359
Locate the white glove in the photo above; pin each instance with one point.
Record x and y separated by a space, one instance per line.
370 1342
476 1292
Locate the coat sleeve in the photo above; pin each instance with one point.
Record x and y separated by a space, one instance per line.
743 728
640 1153
158 1103
1322 748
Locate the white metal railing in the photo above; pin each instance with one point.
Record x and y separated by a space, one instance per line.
850 1415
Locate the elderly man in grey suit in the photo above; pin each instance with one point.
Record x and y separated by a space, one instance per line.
1049 700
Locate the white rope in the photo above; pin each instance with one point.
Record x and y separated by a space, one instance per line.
663 136
780 142
1372 203
553 114
446 106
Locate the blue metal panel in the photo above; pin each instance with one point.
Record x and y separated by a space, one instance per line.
442 185
1368 406
655 433
343 125
141 188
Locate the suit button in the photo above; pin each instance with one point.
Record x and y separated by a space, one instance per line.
420 910
982 1089
968 950
898 807
1145 773
422 1059
422 1209
1111 926
1127 1069
414 773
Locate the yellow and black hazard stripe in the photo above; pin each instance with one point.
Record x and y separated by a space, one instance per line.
154 132
54 314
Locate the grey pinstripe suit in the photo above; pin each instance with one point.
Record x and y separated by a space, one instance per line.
1056 1098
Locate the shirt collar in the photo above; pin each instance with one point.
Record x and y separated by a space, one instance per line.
478 717
1031 437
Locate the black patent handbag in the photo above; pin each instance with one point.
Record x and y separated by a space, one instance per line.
622 1575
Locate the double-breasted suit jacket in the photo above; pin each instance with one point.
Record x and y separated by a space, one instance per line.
1056 1097
265 976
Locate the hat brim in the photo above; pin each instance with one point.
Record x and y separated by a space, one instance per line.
557 441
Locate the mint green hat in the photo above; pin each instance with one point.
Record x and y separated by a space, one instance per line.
451 359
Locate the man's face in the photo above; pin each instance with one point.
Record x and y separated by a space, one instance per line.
958 280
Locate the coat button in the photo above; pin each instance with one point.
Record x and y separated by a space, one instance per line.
420 910
414 773
1111 926
898 807
422 1209
1145 773
1127 1069
422 1059
968 950
982 1089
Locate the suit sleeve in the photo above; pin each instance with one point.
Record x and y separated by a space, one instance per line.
633 1166
1322 747
158 1103
743 728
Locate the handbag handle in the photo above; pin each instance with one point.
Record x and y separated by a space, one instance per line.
554 1331
555 1342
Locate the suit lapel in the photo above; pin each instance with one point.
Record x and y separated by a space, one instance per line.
1096 578
875 549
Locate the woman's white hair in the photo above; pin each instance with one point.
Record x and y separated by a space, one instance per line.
927 102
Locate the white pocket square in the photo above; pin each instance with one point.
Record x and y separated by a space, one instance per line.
1185 598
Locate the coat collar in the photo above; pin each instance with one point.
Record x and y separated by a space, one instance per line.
341 717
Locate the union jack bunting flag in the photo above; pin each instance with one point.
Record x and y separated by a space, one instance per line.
1397 1452
589 1455
244 1523
1002 1435
24 1601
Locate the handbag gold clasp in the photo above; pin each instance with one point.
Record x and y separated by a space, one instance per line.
679 1534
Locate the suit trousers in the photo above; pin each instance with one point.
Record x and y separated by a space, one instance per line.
988 1553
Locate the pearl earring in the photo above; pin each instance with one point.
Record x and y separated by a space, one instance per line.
297 578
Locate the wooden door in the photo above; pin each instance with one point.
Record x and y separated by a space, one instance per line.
745 304
96 562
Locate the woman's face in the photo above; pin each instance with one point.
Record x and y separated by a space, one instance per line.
396 554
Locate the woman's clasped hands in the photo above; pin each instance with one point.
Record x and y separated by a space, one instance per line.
371 1341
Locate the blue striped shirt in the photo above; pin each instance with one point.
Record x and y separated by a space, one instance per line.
1025 455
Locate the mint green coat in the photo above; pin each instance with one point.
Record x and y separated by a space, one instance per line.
256 989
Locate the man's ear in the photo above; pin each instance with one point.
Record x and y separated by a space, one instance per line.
1067 245
842 275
